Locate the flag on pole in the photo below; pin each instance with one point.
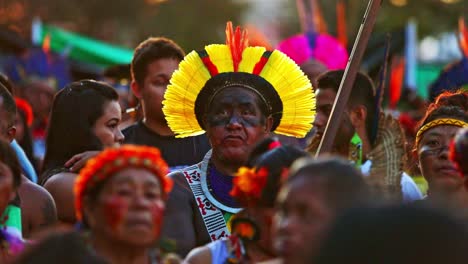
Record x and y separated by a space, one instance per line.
411 55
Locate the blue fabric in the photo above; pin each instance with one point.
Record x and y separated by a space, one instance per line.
26 165
38 64
410 189
221 185
219 251
452 78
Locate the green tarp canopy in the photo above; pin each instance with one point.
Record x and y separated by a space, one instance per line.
81 48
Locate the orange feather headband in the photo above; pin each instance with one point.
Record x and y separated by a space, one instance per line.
112 160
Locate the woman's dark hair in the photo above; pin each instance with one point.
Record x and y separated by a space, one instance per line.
396 234
449 98
74 112
444 111
9 158
26 142
276 160
260 148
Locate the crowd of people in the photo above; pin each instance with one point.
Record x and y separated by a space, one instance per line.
212 160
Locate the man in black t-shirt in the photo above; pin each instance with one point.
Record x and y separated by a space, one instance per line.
154 61
177 152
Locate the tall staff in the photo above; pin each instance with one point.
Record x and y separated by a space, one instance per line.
351 70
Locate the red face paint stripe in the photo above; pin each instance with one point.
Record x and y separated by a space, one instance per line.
208 63
261 64
115 209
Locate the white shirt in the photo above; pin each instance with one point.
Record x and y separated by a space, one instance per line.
409 188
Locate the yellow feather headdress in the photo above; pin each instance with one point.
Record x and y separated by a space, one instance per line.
291 98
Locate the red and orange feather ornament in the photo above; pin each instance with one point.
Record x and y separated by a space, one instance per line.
249 184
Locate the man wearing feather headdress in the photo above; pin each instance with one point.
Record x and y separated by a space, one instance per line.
373 140
237 95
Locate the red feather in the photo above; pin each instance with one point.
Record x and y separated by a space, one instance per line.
463 37
396 81
260 65
237 41
210 66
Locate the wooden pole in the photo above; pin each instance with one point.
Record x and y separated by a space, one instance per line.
347 82
302 13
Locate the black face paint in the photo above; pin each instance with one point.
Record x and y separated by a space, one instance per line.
428 151
235 106
235 117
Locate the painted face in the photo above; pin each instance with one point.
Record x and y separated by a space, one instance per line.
234 123
325 100
129 208
106 127
6 186
158 75
300 222
437 169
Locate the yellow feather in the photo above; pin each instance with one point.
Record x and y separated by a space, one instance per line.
221 56
295 91
250 57
280 71
181 94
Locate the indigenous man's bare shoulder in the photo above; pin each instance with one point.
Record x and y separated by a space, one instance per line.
60 186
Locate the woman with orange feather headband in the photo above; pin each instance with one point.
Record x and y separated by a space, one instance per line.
255 187
120 197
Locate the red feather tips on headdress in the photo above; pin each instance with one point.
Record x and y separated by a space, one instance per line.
236 41
463 36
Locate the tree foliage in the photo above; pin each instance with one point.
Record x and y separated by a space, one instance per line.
191 23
